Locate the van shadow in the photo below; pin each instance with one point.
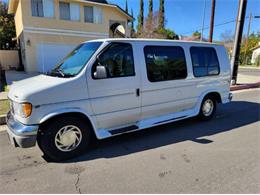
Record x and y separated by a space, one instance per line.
228 117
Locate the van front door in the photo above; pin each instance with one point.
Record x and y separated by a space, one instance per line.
115 99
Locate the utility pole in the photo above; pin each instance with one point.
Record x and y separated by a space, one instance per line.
247 36
203 21
213 2
238 38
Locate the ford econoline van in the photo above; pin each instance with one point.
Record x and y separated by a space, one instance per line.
109 87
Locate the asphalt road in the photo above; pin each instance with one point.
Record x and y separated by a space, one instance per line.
249 71
218 156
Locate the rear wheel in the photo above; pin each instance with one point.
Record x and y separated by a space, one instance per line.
208 108
64 138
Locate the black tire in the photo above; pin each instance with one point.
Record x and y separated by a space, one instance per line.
207 116
47 135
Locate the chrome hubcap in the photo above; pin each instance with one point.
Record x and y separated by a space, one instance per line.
68 138
208 107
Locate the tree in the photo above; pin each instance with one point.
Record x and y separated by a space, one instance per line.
196 34
7 28
126 6
161 16
149 19
168 33
227 36
246 53
132 25
141 18
152 31
150 11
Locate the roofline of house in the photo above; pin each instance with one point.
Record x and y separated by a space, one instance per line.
12 6
109 5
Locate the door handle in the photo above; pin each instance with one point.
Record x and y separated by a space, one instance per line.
138 92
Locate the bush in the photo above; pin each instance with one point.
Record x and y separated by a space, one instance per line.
169 34
257 61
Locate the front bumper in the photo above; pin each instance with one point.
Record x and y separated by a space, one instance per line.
21 135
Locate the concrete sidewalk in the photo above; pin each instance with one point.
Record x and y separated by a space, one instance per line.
3 95
243 78
12 77
247 79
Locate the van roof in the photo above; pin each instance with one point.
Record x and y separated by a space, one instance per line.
154 40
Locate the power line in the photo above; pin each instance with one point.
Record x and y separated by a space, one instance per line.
220 24
216 25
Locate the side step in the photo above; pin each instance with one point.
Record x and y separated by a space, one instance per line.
123 130
169 120
134 127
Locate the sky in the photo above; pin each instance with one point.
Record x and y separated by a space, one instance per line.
186 16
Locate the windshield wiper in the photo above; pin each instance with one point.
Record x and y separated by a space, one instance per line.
58 70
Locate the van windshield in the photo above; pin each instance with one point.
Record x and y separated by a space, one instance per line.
76 60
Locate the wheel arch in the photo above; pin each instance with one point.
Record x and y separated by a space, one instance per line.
68 112
216 95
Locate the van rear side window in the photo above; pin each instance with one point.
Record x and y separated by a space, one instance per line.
204 61
165 63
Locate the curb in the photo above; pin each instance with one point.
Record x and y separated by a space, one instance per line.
2 119
244 86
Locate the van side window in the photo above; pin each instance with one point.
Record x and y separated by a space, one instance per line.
118 60
204 61
165 63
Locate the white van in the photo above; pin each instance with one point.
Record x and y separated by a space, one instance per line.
112 86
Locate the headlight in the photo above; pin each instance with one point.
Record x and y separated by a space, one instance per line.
22 109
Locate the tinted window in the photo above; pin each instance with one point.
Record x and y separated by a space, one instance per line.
118 60
165 63
204 61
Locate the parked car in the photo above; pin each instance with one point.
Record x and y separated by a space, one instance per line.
114 86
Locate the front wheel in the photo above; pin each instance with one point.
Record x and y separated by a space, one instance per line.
208 108
64 138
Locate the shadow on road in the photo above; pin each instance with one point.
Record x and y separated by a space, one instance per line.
228 118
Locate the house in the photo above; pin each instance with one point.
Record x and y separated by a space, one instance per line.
189 38
255 54
47 30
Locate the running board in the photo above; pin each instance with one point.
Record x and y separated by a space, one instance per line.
123 130
172 119
134 127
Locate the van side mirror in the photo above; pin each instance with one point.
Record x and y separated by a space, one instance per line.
101 72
